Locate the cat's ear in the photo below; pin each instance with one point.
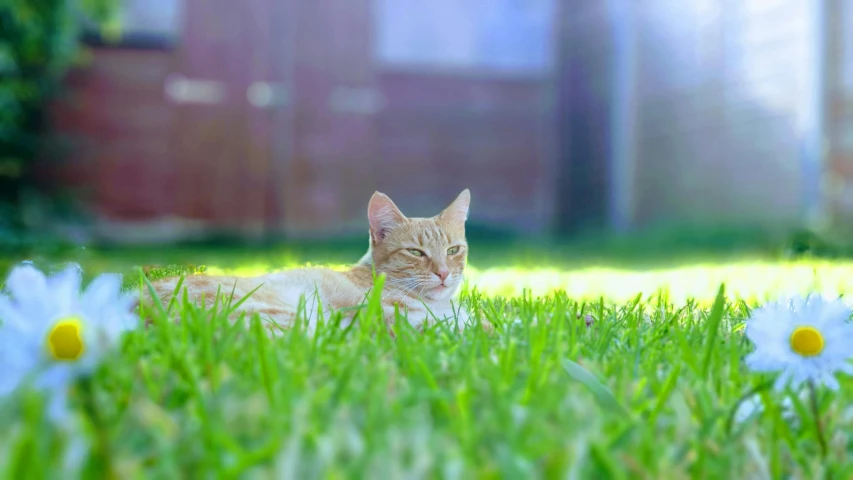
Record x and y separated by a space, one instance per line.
458 210
383 216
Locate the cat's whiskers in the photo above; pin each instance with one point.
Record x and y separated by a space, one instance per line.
420 283
405 289
399 283
405 286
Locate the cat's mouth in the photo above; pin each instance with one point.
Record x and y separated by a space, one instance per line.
441 288
437 291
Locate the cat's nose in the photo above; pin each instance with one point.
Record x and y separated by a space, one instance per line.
442 274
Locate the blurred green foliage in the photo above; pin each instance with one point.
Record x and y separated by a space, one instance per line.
38 43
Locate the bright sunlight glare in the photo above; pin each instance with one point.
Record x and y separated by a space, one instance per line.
753 281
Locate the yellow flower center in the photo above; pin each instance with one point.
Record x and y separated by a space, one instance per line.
807 341
64 341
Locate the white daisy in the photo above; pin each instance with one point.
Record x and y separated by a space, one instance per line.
806 339
51 334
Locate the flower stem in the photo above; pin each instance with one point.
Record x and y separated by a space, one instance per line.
821 437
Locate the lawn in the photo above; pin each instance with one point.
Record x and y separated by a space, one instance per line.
648 391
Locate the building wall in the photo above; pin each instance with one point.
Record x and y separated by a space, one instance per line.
725 92
585 103
630 114
283 117
837 181
692 112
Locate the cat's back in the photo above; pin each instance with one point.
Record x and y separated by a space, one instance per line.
267 286
312 277
328 283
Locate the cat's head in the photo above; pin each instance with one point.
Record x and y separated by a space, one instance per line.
420 256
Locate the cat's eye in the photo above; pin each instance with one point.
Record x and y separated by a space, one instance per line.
416 252
453 250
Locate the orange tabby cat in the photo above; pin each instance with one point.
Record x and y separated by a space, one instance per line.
423 260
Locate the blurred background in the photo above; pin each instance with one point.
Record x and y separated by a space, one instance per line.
164 121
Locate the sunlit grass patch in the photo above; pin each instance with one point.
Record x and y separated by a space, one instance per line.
753 281
254 269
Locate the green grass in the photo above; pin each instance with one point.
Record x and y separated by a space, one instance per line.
647 392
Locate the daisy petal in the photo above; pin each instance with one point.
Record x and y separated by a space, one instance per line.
832 313
782 381
830 381
846 368
765 326
26 283
761 361
102 290
57 408
127 300
11 379
56 376
65 286
9 317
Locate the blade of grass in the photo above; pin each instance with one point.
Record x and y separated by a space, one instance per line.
602 394
713 328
